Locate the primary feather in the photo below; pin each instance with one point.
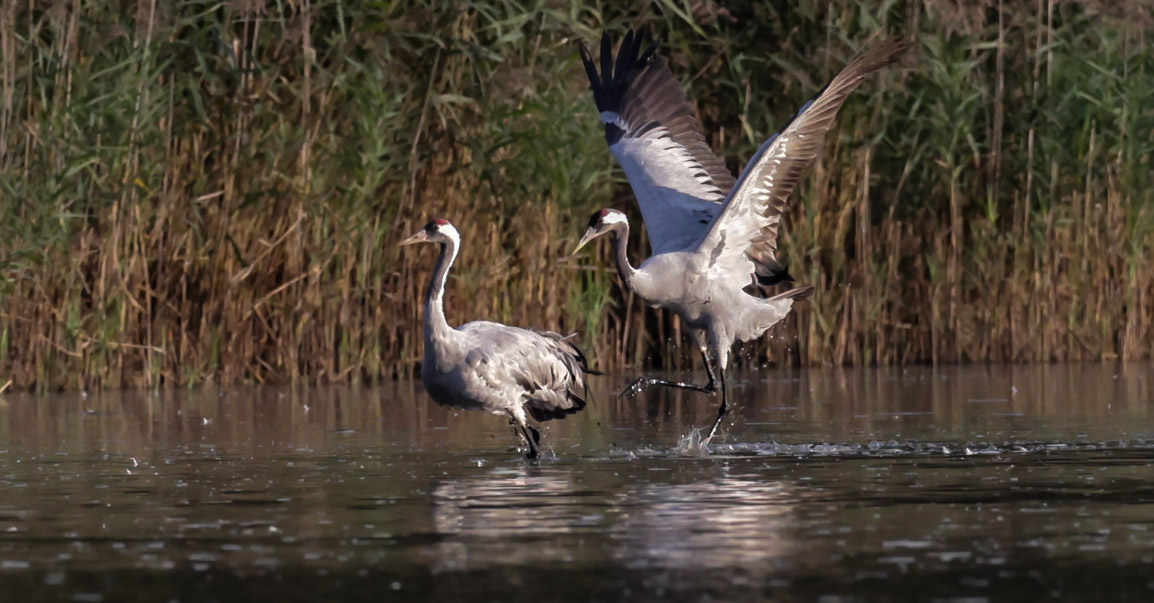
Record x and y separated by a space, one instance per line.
652 130
744 234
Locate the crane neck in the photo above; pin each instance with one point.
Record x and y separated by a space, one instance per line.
621 253
435 323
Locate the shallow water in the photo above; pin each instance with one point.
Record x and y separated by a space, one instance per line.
963 484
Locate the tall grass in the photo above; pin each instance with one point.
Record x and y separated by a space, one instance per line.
211 191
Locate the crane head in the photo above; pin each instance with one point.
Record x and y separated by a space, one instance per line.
436 231
601 222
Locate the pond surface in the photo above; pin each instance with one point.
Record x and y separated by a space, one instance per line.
955 484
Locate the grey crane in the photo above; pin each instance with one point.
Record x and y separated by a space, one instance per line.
714 238
488 366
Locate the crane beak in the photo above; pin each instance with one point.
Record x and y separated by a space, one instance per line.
420 237
589 235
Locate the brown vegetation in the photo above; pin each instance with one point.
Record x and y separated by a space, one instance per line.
212 192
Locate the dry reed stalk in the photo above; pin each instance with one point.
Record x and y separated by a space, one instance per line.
198 194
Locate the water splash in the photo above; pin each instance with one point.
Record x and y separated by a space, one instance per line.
692 444
893 448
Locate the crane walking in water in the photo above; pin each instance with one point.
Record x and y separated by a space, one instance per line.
714 238
489 366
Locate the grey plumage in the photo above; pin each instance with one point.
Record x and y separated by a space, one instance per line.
483 365
699 270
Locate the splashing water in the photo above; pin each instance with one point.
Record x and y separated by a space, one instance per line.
692 444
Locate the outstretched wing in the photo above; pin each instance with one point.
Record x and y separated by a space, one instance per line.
743 237
651 129
548 368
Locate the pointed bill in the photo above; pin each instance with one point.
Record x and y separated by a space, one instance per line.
589 235
419 237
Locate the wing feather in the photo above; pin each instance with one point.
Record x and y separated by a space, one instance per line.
743 237
652 130
547 367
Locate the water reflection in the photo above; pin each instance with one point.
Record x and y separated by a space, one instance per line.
493 514
789 406
722 523
529 515
915 483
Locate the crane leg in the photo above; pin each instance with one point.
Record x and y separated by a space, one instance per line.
534 441
644 383
529 435
720 411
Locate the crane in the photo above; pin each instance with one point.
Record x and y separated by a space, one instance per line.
489 366
714 238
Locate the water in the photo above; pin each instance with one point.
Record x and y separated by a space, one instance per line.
961 484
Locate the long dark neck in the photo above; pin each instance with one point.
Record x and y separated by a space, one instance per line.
435 323
621 253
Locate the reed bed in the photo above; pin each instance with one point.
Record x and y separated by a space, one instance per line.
211 192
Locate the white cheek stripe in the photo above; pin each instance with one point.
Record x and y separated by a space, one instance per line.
614 218
452 233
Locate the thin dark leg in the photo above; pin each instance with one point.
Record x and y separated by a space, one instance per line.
644 383
532 438
535 436
527 434
721 410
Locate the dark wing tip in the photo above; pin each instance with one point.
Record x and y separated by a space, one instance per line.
586 57
642 33
630 59
877 55
775 274
616 72
595 82
606 57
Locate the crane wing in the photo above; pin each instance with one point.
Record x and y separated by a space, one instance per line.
743 236
652 130
547 367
